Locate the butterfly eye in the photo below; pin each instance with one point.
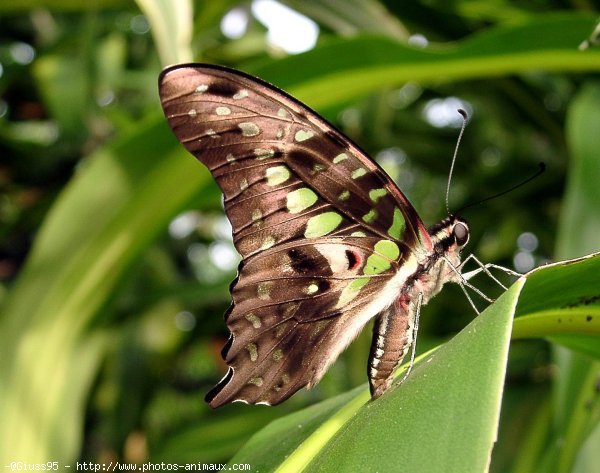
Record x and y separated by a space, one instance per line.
461 234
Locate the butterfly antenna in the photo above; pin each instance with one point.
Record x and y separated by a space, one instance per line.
462 130
542 168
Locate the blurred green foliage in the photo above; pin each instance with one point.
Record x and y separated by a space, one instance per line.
114 254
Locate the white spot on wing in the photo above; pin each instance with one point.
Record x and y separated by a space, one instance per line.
249 128
262 153
252 351
311 288
335 255
223 111
256 215
268 243
303 135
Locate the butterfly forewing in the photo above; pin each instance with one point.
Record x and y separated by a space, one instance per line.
285 173
327 239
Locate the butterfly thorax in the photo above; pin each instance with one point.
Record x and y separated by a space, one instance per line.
447 237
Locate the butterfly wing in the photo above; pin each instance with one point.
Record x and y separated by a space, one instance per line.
279 164
295 307
321 228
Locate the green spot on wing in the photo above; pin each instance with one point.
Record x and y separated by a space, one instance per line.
262 153
345 195
358 173
371 216
387 248
358 283
397 228
386 251
268 243
376 194
303 135
376 264
300 200
339 158
277 175
322 224
249 128
351 291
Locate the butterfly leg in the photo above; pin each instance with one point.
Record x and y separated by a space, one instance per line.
463 283
485 268
393 334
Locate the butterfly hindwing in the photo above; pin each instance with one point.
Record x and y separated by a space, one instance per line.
295 308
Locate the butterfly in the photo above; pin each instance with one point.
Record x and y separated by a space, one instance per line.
328 241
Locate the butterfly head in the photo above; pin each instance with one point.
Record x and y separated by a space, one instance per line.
451 234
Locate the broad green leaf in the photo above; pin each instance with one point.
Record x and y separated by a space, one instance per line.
65 90
365 64
267 448
580 219
560 301
589 455
571 322
460 383
533 443
88 240
352 17
462 380
413 428
562 305
578 230
576 407
585 344
213 437
15 6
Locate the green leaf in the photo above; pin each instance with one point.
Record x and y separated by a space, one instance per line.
65 89
90 238
413 426
171 23
365 64
348 19
573 299
561 300
580 219
574 405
